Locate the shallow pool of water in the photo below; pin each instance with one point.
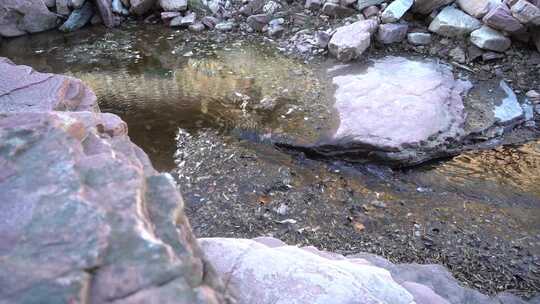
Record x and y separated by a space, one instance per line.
193 105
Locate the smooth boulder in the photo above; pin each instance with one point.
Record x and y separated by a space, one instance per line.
20 17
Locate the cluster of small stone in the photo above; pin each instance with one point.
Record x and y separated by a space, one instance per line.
490 25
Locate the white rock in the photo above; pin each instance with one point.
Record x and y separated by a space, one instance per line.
451 22
419 38
173 5
352 40
396 10
489 39
509 110
475 8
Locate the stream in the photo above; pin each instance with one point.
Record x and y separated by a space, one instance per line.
201 109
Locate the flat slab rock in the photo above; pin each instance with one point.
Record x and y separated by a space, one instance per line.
267 271
396 107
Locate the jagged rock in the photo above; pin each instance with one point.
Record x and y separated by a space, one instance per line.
490 39
119 8
427 6
173 5
105 11
396 10
350 41
226 26
300 276
258 22
475 8
209 21
451 22
526 12
78 18
22 17
141 7
500 18
336 10
362 4
184 21
419 38
509 110
392 32
22 87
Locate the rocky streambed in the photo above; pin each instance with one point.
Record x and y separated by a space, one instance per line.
263 144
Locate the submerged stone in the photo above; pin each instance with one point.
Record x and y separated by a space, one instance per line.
78 18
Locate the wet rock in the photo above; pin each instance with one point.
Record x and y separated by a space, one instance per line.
490 39
78 18
173 5
500 18
352 40
209 21
427 6
392 32
362 4
509 110
22 86
298 275
526 12
391 95
475 8
396 10
370 11
313 4
140 7
105 11
22 17
451 22
419 38
68 234
258 22
118 8
336 10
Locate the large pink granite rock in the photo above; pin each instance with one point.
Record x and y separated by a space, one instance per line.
20 17
398 109
85 217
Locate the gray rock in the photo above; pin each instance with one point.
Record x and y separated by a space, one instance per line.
184 21
350 41
458 54
500 18
298 275
276 30
196 27
392 32
78 18
475 8
427 6
528 111
210 22
370 11
225 26
219 8
119 8
21 17
423 294
451 22
104 8
489 39
62 7
419 38
271 7
535 36
526 12
140 7
533 96
77 3
336 10
173 5
362 4
396 10
509 110
258 22
313 4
